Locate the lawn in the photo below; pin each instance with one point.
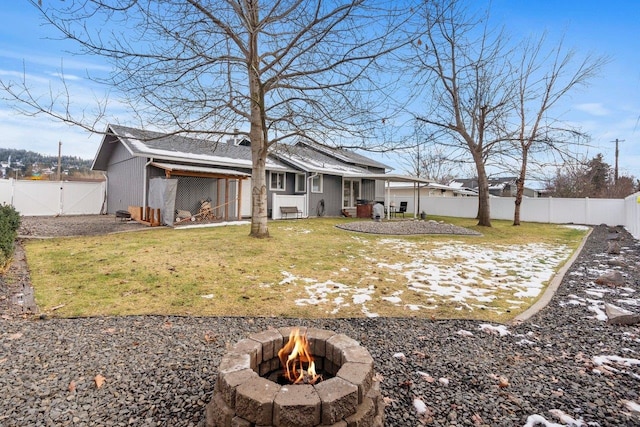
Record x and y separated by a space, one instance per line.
308 268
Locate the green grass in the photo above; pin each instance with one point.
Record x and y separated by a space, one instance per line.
172 271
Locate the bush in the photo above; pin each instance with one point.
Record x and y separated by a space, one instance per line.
9 225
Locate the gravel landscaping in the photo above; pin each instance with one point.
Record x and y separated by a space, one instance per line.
405 227
564 365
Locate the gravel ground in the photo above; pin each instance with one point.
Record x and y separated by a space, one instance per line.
74 225
406 227
160 371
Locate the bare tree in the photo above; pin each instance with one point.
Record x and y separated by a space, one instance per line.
590 178
423 158
465 72
290 68
541 79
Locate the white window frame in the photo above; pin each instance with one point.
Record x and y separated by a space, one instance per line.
301 179
316 188
282 181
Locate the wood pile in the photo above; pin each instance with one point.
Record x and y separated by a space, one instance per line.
205 212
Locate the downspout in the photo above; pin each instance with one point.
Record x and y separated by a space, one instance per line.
308 193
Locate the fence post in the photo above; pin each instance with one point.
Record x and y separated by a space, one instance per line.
61 206
586 211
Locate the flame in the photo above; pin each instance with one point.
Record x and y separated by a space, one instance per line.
294 356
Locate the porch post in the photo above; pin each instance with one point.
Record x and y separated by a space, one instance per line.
226 199
239 213
387 199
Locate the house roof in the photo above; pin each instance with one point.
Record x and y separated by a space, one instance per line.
180 153
304 158
346 156
176 148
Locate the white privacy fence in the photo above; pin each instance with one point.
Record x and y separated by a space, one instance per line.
46 198
545 209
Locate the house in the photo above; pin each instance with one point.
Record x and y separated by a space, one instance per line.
415 194
338 179
500 187
175 173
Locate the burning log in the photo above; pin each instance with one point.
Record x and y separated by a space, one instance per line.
295 356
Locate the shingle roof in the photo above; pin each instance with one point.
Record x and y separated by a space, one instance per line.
344 155
157 145
310 160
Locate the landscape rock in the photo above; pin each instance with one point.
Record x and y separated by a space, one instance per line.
611 278
619 316
613 247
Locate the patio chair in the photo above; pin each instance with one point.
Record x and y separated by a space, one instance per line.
403 208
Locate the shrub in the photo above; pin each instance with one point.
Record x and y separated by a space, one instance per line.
9 225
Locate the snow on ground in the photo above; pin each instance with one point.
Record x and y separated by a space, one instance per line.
469 277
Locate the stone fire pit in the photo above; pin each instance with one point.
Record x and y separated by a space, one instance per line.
244 396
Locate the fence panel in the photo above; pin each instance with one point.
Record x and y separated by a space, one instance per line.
632 214
47 198
544 209
32 198
82 198
6 191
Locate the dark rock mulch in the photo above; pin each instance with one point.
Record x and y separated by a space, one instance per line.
160 371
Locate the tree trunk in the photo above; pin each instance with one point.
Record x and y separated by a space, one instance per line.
520 189
484 208
257 134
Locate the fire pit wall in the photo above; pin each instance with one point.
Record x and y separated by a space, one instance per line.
244 397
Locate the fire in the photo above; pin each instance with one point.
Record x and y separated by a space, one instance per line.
294 356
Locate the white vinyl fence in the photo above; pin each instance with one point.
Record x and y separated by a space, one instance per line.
587 211
47 198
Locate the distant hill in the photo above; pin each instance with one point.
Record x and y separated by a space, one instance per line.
24 164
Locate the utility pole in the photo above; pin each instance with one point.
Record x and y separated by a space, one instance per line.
60 159
615 177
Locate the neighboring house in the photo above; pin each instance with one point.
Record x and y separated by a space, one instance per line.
500 187
173 173
415 195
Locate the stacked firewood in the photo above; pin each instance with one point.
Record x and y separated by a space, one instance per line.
206 211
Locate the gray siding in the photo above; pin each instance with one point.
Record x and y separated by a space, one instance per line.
332 195
368 189
124 180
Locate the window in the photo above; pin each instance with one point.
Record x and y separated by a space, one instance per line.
277 182
300 183
316 184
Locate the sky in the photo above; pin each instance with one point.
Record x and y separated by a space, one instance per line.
608 109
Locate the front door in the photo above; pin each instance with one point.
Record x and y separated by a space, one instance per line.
350 192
